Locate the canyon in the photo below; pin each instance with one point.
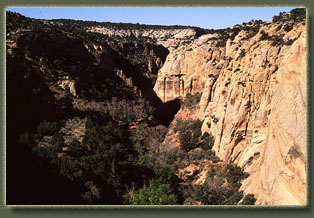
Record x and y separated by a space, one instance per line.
251 78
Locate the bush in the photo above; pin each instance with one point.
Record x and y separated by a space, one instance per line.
57 142
287 27
276 18
191 101
242 53
157 135
221 44
129 111
277 40
186 142
298 14
213 192
221 187
157 193
235 174
248 200
191 137
190 134
264 35
207 141
179 125
46 128
75 148
235 32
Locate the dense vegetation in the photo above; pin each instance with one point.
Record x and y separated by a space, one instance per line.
116 164
221 187
223 181
295 15
191 136
83 24
110 160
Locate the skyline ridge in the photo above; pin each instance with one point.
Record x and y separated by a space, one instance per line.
197 17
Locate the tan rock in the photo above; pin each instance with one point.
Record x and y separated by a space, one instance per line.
186 71
253 104
68 84
170 38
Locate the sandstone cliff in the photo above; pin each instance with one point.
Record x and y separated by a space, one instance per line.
168 37
253 103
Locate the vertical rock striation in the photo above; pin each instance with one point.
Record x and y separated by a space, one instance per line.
253 103
187 68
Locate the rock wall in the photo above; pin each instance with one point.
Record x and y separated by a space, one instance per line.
259 119
187 68
253 103
169 38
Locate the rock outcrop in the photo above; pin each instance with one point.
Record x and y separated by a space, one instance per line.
253 103
170 37
260 118
187 67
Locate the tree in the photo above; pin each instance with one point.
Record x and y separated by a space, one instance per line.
46 128
191 101
190 133
264 36
248 200
277 40
287 27
157 193
207 141
75 148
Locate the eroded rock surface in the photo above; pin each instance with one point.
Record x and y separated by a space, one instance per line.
253 103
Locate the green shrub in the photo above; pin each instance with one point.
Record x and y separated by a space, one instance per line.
264 36
207 141
242 53
191 137
157 193
235 174
190 134
248 200
46 128
298 14
277 40
57 142
235 32
276 18
179 125
187 141
221 43
75 148
211 192
287 27
191 101
221 187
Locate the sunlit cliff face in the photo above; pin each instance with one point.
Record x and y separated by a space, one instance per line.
253 102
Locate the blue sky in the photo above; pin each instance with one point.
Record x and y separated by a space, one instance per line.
211 18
